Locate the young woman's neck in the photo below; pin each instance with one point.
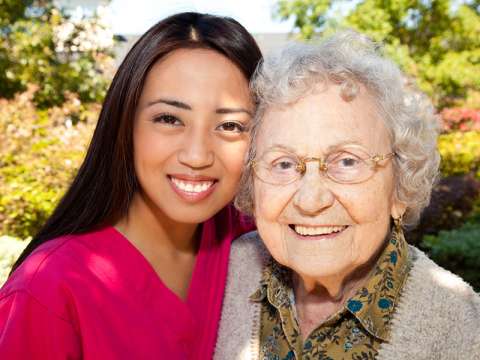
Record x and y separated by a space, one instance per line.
146 223
169 246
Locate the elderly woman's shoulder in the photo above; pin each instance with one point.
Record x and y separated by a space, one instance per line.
249 250
249 242
441 286
438 312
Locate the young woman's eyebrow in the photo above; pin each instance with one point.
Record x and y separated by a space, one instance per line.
171 102
184 106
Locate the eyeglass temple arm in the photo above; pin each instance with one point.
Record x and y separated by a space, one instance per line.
377 158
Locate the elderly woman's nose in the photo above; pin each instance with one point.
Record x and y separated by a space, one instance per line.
196 151
313 196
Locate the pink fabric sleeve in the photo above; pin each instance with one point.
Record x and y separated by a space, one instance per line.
29 330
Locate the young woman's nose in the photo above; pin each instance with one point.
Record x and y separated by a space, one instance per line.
313 195
196 151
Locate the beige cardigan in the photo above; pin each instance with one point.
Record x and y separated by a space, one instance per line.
437 317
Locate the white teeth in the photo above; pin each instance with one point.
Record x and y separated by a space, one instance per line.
198 187
317 230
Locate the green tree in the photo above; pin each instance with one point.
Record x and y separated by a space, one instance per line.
54 69
41 44
435 41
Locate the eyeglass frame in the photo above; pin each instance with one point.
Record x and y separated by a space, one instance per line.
301 168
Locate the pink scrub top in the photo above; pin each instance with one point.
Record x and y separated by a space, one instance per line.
94 296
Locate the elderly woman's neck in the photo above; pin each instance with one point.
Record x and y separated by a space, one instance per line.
317 299
334 289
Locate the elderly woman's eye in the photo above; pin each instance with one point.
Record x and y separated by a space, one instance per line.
284 165
345 160
349 162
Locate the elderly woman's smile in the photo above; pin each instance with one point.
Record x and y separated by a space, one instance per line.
317 232
313 224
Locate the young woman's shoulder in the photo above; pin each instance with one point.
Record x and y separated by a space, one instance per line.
50 273
66 297
36 302
41 268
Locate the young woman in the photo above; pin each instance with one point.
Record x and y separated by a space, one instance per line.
133 261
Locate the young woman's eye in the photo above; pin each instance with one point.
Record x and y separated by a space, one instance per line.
231 126
167 119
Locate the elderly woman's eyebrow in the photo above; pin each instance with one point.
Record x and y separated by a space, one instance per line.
233 111
329 149
281 147
343 143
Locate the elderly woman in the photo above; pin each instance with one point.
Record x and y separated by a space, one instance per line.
343 157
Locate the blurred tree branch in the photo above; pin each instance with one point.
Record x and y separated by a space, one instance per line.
437 41
58 52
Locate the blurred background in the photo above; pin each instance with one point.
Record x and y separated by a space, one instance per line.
58 57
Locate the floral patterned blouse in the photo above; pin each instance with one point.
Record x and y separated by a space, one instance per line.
354 332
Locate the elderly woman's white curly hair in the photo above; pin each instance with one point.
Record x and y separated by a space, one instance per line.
348 59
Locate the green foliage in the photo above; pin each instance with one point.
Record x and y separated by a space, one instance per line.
40 150
460 152
457 250
42 45
52 64
309 15
436 42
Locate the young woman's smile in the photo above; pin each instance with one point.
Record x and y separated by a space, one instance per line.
192 188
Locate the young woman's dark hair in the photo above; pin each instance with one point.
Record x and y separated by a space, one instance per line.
103 188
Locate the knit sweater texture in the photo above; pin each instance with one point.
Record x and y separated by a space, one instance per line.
436 318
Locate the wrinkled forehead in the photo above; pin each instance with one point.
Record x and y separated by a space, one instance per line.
322 120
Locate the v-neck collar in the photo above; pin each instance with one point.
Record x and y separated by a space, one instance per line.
134 258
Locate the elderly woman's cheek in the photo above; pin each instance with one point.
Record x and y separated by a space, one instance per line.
370 209
269 205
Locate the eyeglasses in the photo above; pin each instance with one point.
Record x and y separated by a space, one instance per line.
348 165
